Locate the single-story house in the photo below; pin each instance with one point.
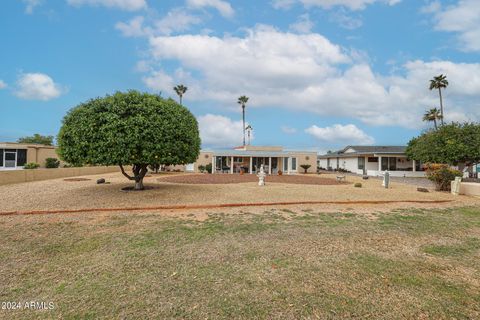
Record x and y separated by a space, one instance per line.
16 155
372 161
248 159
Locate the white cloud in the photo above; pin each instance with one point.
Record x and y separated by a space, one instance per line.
37 86
159 81
303 24
462 19
30 5
3 85
128 5
223 7
133 28
338 133
176 20
308 73
288 130
328 4
345 20
220 131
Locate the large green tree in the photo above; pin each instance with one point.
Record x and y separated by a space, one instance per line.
131 128
439 82
37 139
452 144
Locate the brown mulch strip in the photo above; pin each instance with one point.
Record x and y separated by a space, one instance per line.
215 206
237 178
76 179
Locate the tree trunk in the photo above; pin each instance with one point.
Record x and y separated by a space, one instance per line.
181 101
441 105
435 123
139 172
139 184
243 117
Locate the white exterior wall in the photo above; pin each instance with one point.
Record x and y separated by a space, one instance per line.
350 164
323 163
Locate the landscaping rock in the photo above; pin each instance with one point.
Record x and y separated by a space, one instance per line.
365 177
422 190
100 181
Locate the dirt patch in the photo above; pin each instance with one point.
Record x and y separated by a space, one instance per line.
237 178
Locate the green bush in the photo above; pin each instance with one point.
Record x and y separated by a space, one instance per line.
52 163
357 185
201 168
208 167
442 175
31 165
305 167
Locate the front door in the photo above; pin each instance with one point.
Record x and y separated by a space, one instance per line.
10 159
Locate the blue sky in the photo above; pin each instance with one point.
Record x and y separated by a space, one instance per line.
320 74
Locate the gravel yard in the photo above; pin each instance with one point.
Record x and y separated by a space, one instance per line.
59 194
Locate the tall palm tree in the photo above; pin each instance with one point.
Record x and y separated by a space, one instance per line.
180 90
243 101
438 83
433 115
249 130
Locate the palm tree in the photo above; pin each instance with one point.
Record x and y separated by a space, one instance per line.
433 115
249 129
180 90
439 82
243 101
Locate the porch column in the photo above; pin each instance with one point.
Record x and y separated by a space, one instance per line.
365 169
231 165
414 166
251 165
269 165
289 164
214 164
379 164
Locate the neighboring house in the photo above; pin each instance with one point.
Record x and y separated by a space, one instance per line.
249 159
372 161
16 155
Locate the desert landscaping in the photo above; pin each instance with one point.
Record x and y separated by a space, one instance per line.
204 189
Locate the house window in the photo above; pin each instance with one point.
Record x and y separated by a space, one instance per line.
1 157
237 159
21 157
389 163
285 164
361 163
294 164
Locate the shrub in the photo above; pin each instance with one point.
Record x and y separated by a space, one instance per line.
52 163
31 165
280 172
357 185
442 175
305 167
208 167
201 168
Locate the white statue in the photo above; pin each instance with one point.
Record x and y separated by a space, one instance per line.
456 186
386 179
261 176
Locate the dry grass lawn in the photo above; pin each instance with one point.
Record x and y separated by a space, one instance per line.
278 263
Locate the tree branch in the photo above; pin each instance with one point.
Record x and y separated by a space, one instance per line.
125 174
